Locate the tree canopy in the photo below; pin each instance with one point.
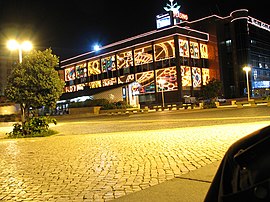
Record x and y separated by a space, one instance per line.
212 89
35 82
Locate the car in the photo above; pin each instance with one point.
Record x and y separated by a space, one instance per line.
221 99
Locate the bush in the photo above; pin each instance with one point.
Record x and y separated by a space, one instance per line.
35 127
209 105
116 105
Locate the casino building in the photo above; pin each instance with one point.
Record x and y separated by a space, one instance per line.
174 61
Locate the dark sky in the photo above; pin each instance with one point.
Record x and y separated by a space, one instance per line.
71 27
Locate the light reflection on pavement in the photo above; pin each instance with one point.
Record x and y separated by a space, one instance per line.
104 166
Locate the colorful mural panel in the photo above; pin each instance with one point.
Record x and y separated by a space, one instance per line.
205 75
94 67
81 70
194 50
196 77
135 88
124 59
146 82
204 51
70 73
186 76
164 50
183 48
143 55
167 79
108 64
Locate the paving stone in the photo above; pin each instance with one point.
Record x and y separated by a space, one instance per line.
101 167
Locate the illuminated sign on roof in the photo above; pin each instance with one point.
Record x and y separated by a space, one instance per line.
173 7
259 23
164 20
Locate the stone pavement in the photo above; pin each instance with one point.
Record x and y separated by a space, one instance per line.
103 167
189 187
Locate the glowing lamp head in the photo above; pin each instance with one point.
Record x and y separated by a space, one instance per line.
27 46
96 47
12 45
246 69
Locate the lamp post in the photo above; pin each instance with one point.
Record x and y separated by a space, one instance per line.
14 45
247 69
162 82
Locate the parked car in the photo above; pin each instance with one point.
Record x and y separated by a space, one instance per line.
221 99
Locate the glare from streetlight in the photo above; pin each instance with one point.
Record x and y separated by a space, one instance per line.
96 47
12 45
162 82
246 69
27 46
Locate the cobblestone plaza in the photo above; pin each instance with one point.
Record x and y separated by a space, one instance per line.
105 166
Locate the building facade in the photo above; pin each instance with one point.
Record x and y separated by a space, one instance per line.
174 61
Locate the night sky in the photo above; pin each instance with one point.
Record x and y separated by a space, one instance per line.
71 27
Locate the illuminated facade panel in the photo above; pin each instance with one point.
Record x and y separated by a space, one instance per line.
124 59
164 50
80 87
196 77
69 89
204 51
186 76
70 74
108 63
183 48
109 82
146 82
194 50
94 84
143 55
94 67
167 79
205 75
81 70
126 79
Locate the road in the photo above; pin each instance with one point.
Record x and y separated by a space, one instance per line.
100 158
161 120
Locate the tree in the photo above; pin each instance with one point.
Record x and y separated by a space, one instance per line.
212 89
35 82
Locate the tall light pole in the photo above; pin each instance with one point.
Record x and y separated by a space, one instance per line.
14 45
161 83
247 69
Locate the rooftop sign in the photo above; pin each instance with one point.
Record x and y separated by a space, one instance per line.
259 23
172 16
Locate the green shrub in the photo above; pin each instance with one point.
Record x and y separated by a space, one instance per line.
35 127
209 105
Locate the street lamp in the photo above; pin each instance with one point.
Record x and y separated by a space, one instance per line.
161 83
247 69
14 45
